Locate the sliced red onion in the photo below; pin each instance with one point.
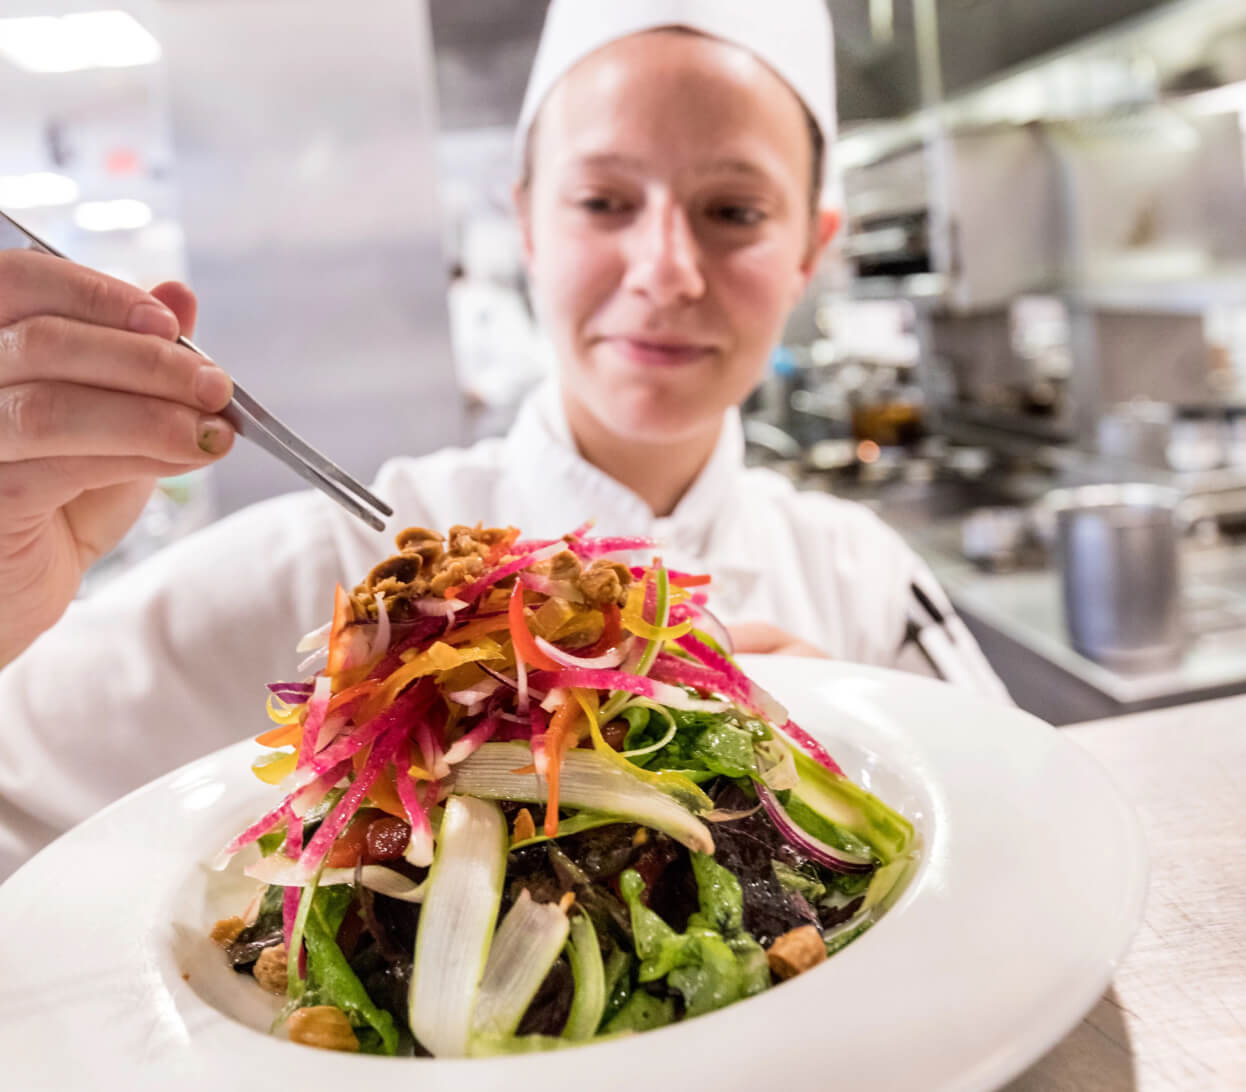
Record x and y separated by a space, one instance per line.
380 641
836 859
315 639
433 607
560 589
283 871
521 685
611 658
314 662
474 695
513 684
300 691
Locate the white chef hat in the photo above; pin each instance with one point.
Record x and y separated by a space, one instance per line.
793 37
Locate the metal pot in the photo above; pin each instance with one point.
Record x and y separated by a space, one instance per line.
1117 550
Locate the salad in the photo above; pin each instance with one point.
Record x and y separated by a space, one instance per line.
528 800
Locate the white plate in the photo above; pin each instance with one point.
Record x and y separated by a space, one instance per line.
1030 887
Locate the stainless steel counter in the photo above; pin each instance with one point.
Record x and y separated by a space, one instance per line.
1016 613
1018 617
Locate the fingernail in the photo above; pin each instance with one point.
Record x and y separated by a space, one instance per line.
152 318
214 435
213 388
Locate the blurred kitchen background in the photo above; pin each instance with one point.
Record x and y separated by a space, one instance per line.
1041 285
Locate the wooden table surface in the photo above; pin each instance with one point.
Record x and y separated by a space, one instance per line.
1175 1015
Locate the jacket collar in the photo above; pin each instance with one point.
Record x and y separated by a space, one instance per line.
558 489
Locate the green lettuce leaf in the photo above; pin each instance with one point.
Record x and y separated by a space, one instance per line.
330 980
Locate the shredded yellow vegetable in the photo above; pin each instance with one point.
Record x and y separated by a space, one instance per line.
634 621
687 792
275 767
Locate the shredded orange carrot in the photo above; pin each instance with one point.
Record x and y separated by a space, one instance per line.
477 627
558 739
282 735
384 794
691 581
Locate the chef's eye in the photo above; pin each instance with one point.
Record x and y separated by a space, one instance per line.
737 214
601 204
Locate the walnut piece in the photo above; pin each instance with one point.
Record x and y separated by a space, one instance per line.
270 969
323 1026
226 931
605 582
524 827
796 951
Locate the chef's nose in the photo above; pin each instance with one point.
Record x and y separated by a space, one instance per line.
664 257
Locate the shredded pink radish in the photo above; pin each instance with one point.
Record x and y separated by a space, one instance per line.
474 590
290 896
317 706
472 741
335 822
742 689
257 829
420 848
430 749
599 547
303 800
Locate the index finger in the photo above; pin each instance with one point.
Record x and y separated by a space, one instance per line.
40 284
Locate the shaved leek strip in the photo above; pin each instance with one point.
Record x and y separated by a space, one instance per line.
527 943
668 781
589 1003
456 923
588 781
283 871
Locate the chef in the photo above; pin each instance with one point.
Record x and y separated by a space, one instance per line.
671 160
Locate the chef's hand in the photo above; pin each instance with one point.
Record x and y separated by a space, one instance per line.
759 637
96 402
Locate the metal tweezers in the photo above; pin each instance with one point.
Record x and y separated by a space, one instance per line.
253 421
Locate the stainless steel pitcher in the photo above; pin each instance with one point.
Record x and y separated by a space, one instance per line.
1119 568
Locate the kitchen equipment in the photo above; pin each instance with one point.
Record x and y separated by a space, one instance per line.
1136 432
252 420
1117 554
1196 441
993 538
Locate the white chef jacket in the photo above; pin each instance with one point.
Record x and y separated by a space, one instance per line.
170 660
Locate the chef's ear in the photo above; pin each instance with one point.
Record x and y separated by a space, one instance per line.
824 225
521 195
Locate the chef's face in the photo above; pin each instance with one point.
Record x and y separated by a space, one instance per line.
669 227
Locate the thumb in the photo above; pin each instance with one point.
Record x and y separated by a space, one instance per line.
181 301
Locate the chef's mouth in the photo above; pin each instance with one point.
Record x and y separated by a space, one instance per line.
669 352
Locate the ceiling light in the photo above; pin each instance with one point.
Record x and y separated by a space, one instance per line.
123 215
39 190
70 43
